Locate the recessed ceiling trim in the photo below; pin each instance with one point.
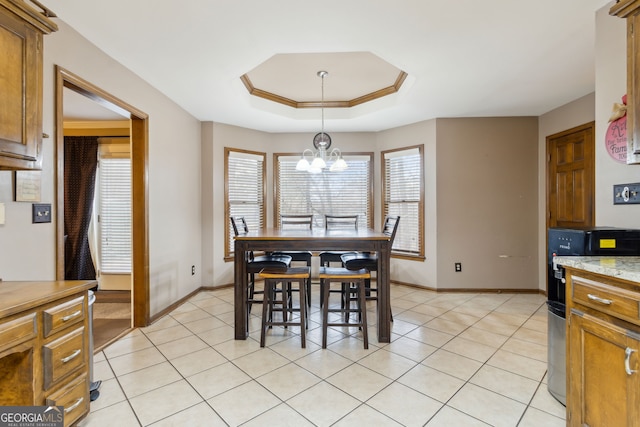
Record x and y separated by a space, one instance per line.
389 90
266 95
382 92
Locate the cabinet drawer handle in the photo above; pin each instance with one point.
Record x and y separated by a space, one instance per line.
598 299
627 356
71 316
74 406
71 356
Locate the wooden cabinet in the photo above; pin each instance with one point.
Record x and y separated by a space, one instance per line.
603 344
630 10
44 345
21 32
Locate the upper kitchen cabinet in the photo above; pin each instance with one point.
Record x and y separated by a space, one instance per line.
630 9
21 32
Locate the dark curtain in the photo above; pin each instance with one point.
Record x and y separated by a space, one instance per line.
80 163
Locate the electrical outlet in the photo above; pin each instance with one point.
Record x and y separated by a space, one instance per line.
193 270
41 212
458 267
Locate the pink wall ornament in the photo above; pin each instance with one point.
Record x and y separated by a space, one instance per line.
616 137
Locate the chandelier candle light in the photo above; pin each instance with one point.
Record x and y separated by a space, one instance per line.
322 142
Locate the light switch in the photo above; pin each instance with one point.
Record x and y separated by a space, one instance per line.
626 194
1 213
41 213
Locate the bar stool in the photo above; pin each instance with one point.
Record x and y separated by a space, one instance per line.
358 260
255 264
298 222
336 222
352 282
271 279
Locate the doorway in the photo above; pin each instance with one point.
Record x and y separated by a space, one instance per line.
571 178
570 181
139 185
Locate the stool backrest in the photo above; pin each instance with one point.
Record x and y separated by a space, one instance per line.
239 225
296 221
340 221
391 226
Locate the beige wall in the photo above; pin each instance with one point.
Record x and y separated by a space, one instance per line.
27 251
208 203
610 86
487 202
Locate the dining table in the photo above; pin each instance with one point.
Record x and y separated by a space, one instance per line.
314 240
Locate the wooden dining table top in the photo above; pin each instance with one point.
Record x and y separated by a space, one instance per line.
315 233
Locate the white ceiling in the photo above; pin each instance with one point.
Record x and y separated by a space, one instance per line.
463 58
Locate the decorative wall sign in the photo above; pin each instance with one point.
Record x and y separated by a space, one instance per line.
28 185
616 137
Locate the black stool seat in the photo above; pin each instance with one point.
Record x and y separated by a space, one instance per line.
273 261
358 260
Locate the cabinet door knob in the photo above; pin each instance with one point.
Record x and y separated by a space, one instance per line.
627 356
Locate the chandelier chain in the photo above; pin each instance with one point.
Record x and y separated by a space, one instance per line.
322 75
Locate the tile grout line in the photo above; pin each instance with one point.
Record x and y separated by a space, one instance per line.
352 362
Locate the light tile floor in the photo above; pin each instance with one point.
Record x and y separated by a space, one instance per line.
456 359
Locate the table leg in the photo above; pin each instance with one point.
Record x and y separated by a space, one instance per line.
384 301
240 291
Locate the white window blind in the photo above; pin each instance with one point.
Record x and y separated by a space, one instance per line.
245 190
402 195
327 193
115 215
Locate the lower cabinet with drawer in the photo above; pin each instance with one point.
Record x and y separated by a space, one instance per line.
44 346
603 344
73 397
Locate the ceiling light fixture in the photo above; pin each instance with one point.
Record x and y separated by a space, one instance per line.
322 142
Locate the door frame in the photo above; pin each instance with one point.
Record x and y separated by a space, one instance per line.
139 184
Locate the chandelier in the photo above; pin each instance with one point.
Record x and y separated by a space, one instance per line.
321 142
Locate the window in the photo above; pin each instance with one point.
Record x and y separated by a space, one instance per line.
403 194
244 191
114 209
335 193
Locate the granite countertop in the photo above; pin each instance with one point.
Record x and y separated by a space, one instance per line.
623 267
